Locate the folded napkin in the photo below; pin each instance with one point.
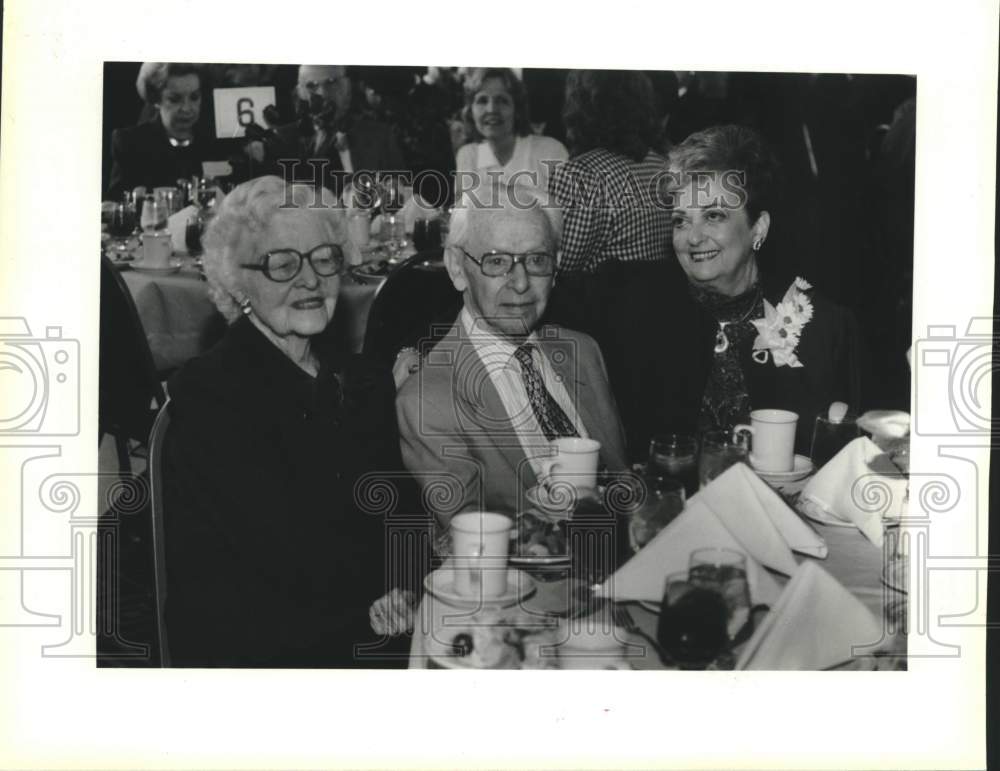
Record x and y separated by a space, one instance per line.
643 577
859 485
177 224
757 517
814 625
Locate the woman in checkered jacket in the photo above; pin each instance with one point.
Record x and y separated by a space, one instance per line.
607 188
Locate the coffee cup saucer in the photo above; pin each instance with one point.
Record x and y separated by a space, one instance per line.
802 468
171 267
560 500
441 585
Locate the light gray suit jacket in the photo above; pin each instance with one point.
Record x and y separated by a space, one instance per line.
457 439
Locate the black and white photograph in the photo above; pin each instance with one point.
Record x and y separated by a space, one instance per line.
507 368
646 368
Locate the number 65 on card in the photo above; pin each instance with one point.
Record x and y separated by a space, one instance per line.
237 108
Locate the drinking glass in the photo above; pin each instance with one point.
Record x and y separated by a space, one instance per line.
719 451
154 215
426 234
726 571
120 226
664 500
675 456
192 235
693 624
829 438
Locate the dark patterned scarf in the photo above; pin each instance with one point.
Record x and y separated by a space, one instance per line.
726 401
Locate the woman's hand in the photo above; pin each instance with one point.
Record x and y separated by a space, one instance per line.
393 613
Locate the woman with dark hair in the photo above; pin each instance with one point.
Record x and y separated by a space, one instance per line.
606 189
169 147
703 340
496 117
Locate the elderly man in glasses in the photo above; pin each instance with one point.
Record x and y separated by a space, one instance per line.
478 418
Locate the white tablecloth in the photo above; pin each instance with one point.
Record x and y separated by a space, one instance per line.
181 321
852 560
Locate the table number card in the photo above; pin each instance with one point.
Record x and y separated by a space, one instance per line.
237 108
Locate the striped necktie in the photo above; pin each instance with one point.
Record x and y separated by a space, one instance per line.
550 416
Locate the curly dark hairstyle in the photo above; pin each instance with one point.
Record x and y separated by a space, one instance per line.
153 77
612 109
732 148
474 83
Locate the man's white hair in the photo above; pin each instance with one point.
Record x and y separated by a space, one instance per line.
489 197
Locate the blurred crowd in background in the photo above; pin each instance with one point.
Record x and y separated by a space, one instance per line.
845 144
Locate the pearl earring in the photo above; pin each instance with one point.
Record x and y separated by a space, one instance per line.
245 308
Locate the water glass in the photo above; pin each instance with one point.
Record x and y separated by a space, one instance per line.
829 438
719 451
675 456
693 625
664 501
192 236
426 234
154 215
726 571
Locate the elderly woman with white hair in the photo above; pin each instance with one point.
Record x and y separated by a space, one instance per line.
269 561
170 147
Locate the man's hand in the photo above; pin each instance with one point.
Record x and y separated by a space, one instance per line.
255 150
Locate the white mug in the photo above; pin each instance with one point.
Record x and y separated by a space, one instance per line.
480 541
157 249
574 463
773 447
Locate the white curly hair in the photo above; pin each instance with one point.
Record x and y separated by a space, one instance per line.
244 216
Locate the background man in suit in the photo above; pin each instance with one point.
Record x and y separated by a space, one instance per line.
330 130
479 416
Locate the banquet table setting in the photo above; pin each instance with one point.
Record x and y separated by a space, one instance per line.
746 574
162 268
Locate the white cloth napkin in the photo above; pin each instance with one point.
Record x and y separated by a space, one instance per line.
177 225
757 517
813 626
859 485
643 577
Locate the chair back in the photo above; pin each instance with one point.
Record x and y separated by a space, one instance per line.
129 389
416 301
156 442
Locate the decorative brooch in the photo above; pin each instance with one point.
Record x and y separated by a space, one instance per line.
779 331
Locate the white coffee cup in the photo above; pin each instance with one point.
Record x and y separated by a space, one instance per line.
590 643
573 462
773 447
157 249
480 541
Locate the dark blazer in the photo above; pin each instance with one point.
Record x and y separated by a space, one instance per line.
372 144
269 561
456 434
658 343
143 155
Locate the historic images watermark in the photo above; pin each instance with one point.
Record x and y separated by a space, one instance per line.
663 191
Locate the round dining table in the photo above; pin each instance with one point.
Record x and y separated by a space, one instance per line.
854 561
181 321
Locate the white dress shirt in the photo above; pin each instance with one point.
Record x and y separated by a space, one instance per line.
504 371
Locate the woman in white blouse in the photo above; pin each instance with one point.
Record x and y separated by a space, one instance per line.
496 117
